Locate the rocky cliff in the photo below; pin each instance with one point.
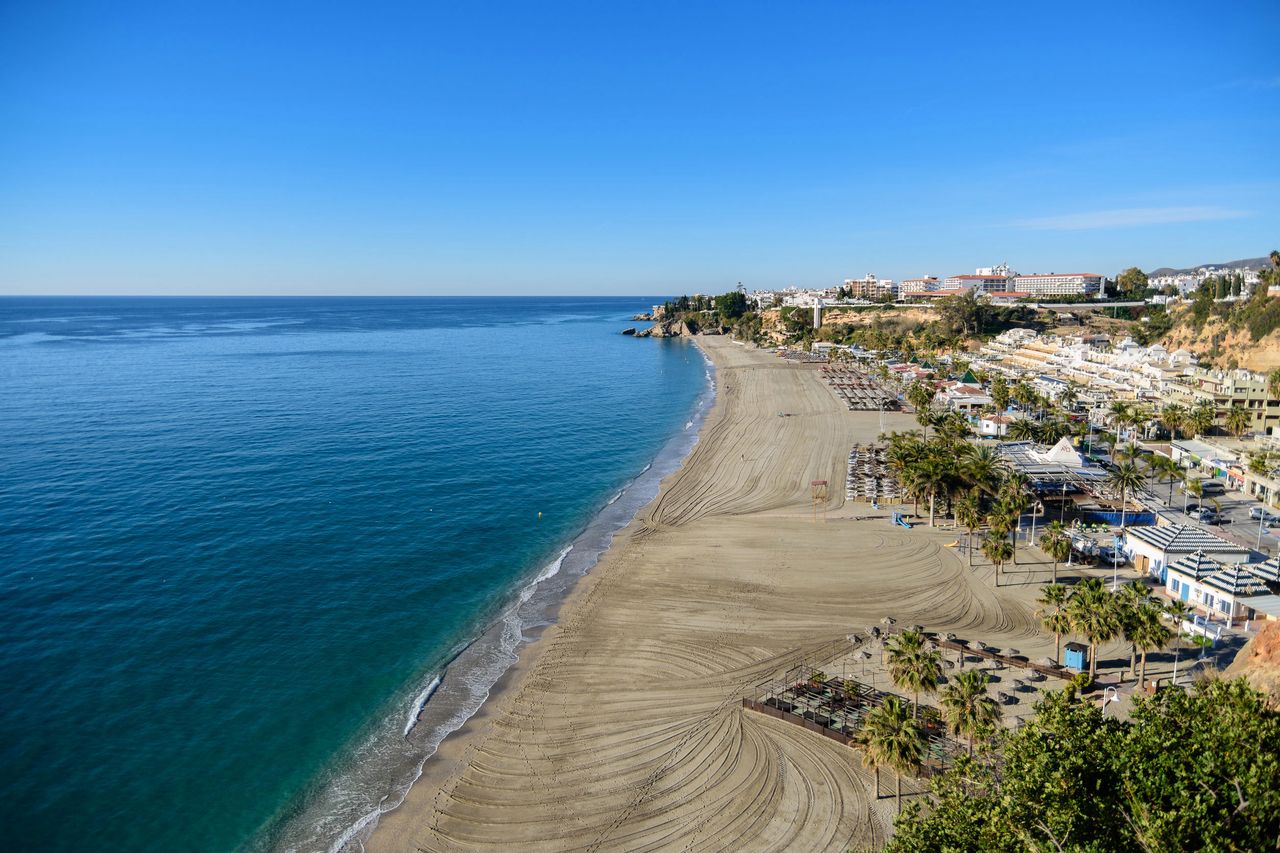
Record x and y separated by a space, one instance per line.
1259 662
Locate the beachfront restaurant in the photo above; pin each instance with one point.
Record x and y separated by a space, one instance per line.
1154 549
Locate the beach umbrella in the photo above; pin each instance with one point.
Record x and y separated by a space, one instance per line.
1047 661
1012 652
951 638
888 620
919 629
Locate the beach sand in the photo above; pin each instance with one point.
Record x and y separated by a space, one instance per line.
622 728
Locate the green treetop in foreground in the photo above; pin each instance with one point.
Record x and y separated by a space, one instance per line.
1190 770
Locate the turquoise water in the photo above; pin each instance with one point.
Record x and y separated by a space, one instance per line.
243 542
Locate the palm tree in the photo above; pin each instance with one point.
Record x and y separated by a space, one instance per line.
1022 429
914 667
1194 489
1070 394
969 513
1015 496
1057 544
966 706
1273 384
980 465
920 396
1149 634
1128 600
891 738
931 475
1054 615
1174 418
1126 479
1237 420
1202 417
1119 415
1166 468
996 547
1093 616
1178 612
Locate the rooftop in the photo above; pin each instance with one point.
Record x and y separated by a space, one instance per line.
1185 539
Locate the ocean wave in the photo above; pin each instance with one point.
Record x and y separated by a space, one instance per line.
421 702
548 571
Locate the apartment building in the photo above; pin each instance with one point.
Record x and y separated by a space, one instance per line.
909 287
870 287
1228 388
1041 285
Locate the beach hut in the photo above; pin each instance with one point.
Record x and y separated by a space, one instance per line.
1076 656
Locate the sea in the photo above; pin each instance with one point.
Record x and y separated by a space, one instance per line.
258 556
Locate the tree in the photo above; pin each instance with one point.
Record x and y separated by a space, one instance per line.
1273 384
1022 429
1054 615
1202 417
969 513
1093 616
1119 411
981 466
1000 392
1132 283
1070 394
1125 478
1174 417
891 738
1057 544
1194 489
997 548
1187 771
912 666
920 396
967 708
1149 633
1014 498
1237 420
731 305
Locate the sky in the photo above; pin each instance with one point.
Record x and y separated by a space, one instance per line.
625 147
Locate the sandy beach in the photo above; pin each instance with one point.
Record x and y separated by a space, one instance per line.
622 727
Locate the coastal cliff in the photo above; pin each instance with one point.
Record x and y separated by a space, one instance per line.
677 327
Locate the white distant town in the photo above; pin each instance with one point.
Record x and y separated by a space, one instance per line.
999 283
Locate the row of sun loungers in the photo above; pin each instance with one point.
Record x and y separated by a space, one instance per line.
869 477
802 356
859 390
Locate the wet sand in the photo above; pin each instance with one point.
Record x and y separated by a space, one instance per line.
622 726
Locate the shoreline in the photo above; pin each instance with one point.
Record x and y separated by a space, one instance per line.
622 726
536 602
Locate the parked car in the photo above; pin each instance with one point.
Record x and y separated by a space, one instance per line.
1212 487
1205 515
1261 513
1191 508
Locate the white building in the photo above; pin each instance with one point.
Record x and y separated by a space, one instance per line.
1154 549
909 287
1039 285
1220 589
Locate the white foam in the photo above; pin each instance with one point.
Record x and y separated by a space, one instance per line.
419 704
548 571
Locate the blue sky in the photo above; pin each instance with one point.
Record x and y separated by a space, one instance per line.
625 147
